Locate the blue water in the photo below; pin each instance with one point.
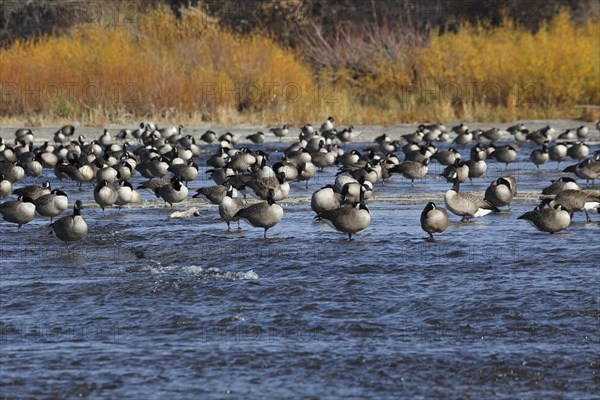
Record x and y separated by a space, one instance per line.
149 307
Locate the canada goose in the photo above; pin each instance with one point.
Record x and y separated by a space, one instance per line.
185 172
353 190
568 134
12 171
219 159
519 131
350 158
323 159
215 194
174 192
466 205
71 228
327 125
587 169
125 194
463 138
306 170
558 152
411 169
434 219
24 135
208 137
169 131
505 154
31 165
540 156
578 151
307 132
257 138
80 173
326 199
228 137
563 183
52 204
539 137
230 206
458 168
242 161
124 170
548 219
265 214
477 168
372 172
280 187
446 157
105 139
431 132
499 193
106 194
64 134
280 132
346 135
20 211
106 173
583 132
47 157
415 137
5 186
493 135
289 170
461 128
348 220
33 191
575 200
158 167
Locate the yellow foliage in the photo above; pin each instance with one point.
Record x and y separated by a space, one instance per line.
192 69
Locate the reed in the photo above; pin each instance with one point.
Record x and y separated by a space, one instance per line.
191 69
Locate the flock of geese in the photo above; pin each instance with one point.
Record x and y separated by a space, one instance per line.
165 158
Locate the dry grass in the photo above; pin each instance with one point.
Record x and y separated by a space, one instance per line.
192 71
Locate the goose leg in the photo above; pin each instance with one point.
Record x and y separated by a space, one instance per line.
228 226
587 216
265 235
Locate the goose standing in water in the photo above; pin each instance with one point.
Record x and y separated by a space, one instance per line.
265 214
348 220
558 152
5 186
466 205
411 169
20 211
505 154
434 219
106 194
71 227
125 194
174 192
215 194
550 220
33 191
540 156
280 132
229 207
587 169
52 204
326 199
500 192
563 183
575 200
